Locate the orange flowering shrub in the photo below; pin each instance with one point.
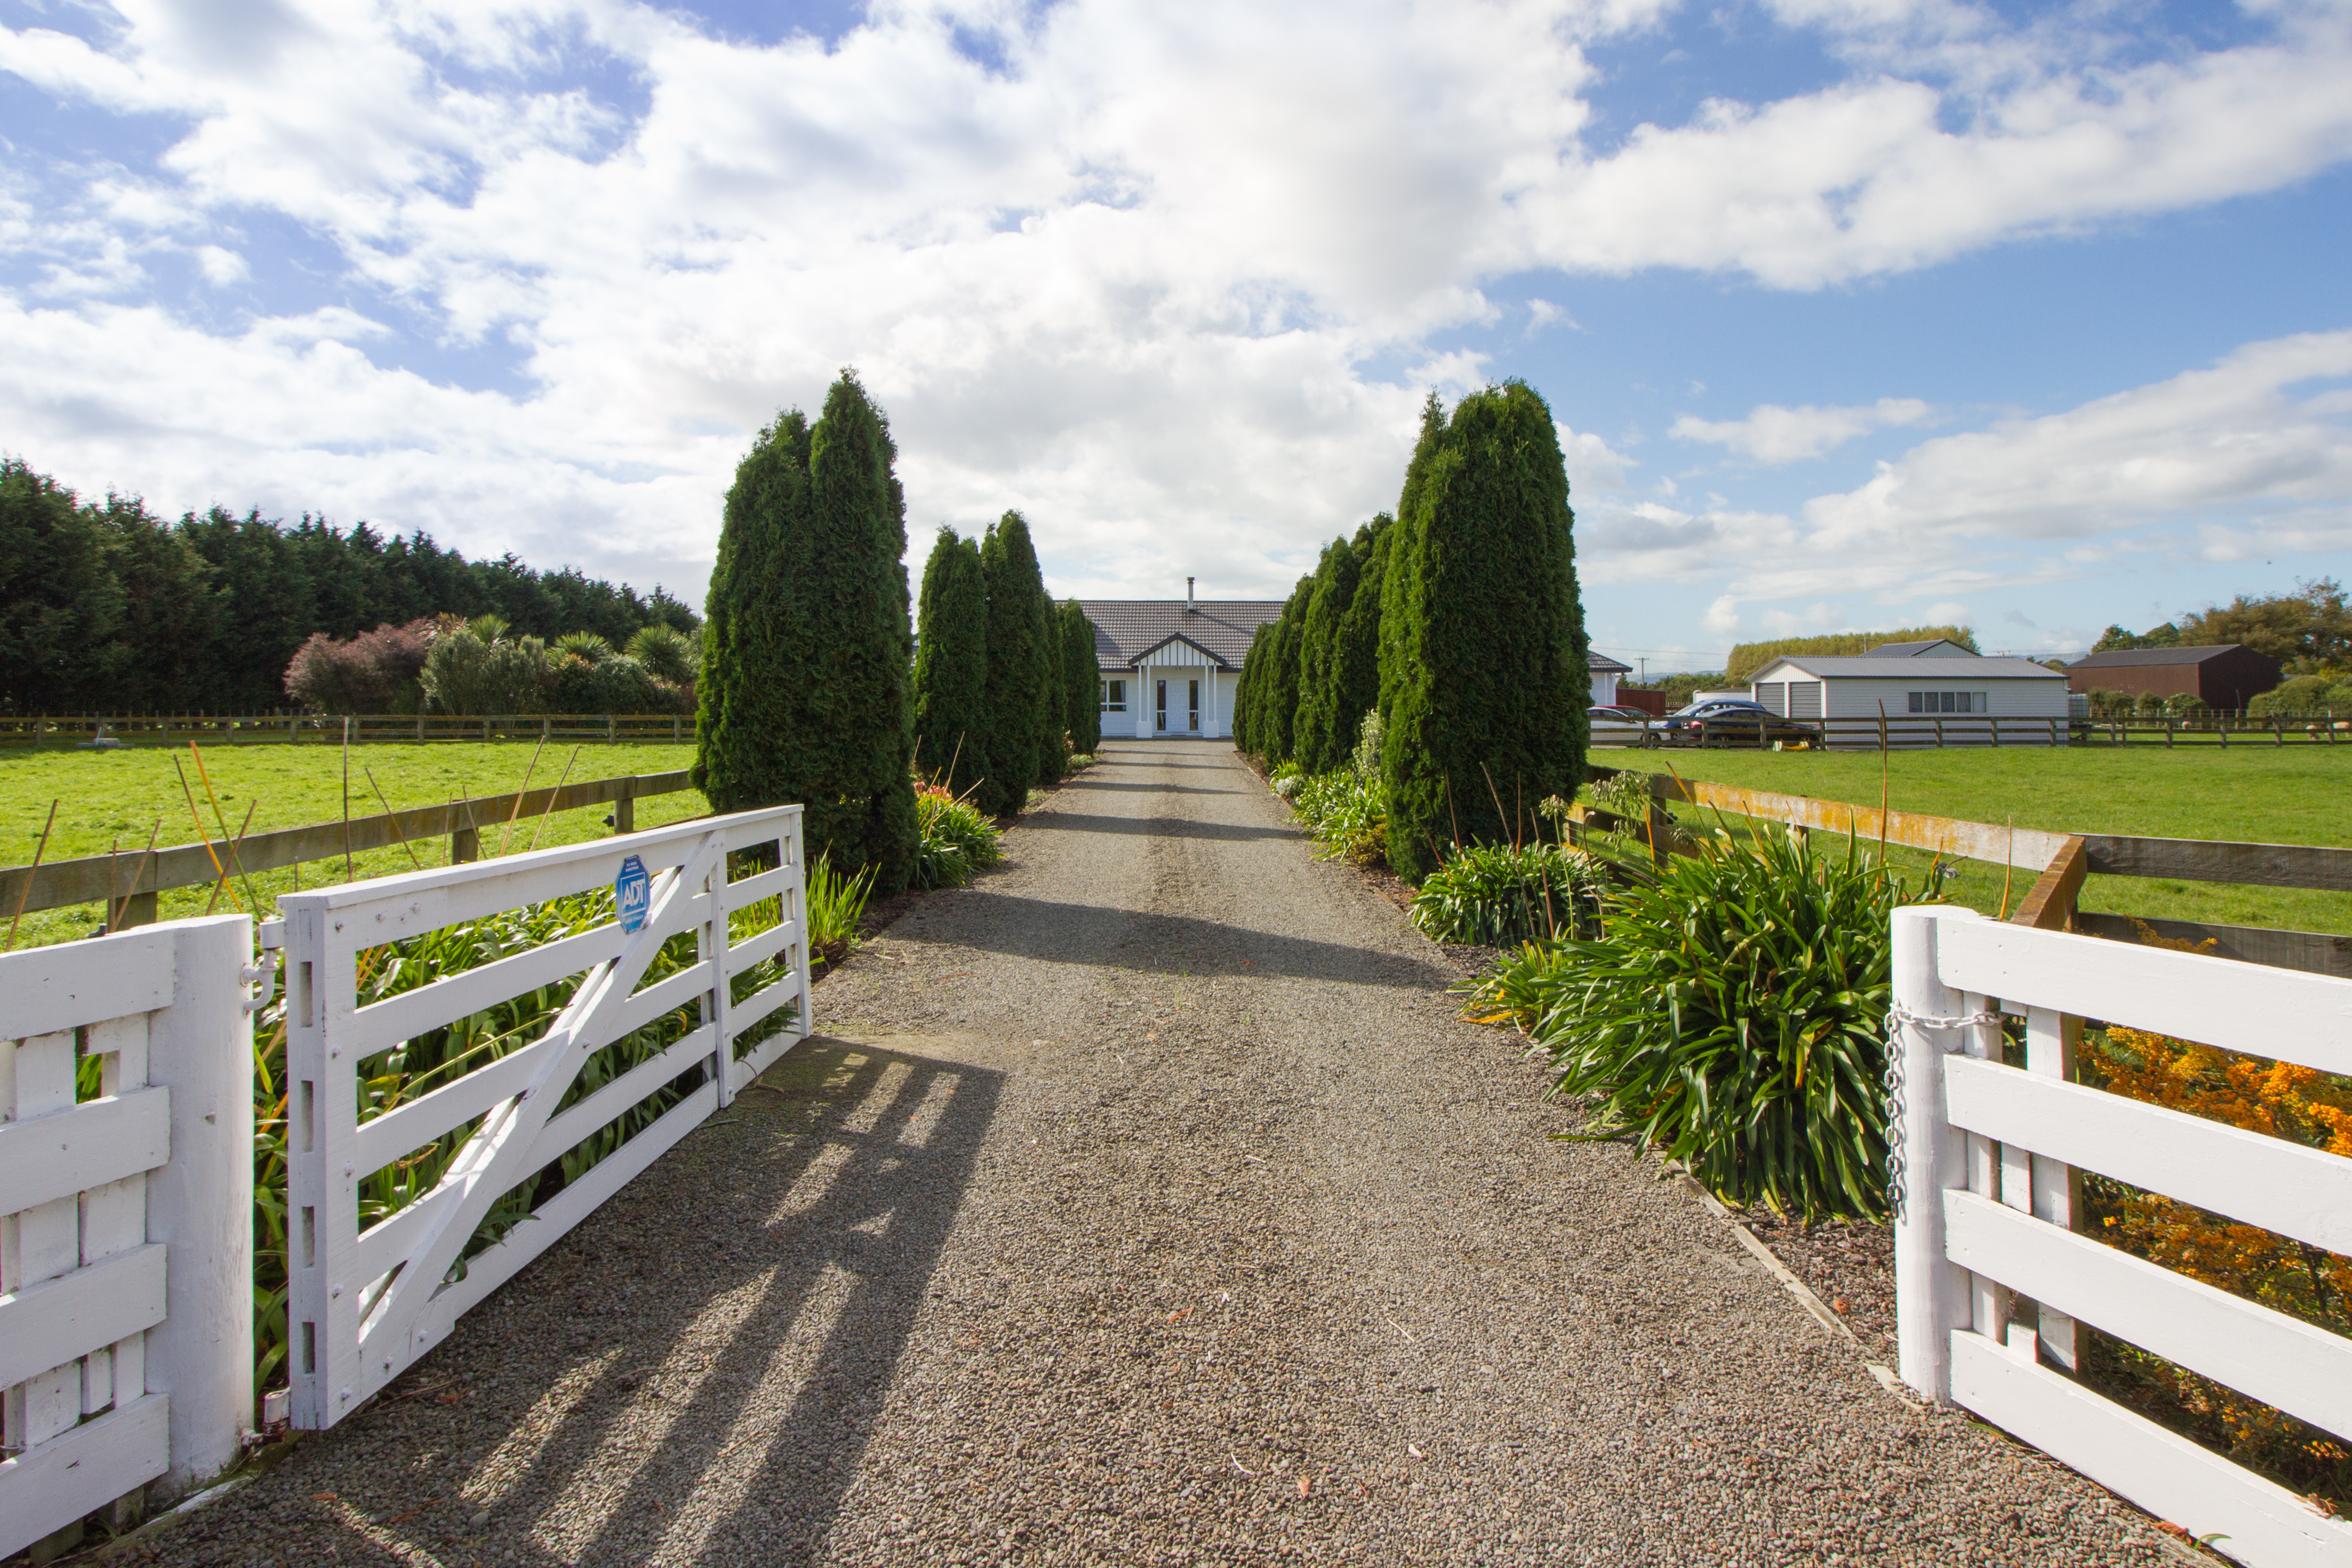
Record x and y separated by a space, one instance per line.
2279 1100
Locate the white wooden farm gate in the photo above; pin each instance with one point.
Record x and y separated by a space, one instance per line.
1992 1283
126 1219
363 1304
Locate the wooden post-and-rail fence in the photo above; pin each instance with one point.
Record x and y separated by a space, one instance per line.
2057 864
127 884
84 730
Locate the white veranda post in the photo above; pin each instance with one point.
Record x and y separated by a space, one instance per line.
365 1302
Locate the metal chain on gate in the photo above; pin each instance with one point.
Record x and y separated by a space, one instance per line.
1898 1015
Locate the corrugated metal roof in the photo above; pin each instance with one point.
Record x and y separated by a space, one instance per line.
2114 657
1913 650
1862 667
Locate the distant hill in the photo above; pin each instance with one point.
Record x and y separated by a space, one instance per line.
1749 657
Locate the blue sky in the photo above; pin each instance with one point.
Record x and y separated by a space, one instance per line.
1852 313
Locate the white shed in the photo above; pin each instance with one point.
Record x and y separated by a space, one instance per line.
1941 695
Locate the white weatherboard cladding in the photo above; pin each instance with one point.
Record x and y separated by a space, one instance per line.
1852 697
1992 1279
1177 664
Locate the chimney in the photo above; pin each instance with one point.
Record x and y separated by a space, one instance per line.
1188 596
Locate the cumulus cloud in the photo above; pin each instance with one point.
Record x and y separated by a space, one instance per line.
1129 269
2247 458
1773 435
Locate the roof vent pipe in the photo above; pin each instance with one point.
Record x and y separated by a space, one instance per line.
1188 596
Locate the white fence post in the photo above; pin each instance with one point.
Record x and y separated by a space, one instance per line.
126 1282
1927 1157
200 1206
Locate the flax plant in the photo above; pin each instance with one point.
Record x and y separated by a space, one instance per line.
1732 1014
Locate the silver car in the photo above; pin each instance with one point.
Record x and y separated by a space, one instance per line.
1618 725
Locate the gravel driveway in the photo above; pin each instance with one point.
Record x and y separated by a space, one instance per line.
1147 1203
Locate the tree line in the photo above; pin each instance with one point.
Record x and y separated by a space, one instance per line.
1456 621
810 688
2309 632
106 607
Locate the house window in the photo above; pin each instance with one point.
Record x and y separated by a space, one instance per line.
1114 696
1950 702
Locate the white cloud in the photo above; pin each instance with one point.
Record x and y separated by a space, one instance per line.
220 267
2248 458
1132 274
1774 434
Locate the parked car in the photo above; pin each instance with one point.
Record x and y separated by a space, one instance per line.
1728 721
1618 725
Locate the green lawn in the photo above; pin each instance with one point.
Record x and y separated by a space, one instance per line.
109 798
2293 795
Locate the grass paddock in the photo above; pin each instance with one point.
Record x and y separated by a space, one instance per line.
2287 795
112 800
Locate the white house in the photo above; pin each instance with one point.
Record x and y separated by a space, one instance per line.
1606 672
1931 694
1169 666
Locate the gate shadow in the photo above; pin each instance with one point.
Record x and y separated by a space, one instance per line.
1057 933
726 1327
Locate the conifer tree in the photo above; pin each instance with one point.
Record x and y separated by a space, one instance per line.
1023 663
1394 584
806 693
1322 743
1485 691
1246 690
951 665
1278 721
1081 678
1356 661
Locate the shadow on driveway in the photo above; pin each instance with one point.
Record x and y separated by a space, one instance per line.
726 1330
1154 827
1161 943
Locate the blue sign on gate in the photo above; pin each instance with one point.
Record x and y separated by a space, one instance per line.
632 893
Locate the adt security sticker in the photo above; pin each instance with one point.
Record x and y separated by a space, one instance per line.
632 893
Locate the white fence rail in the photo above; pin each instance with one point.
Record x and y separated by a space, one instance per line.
365 1302
126 1221
1991 1280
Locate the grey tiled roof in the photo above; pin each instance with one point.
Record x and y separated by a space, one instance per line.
1604 665
1127 628
2115 657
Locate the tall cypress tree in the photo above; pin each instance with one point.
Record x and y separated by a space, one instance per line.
1081 678
806 693
1246 690
951 665
1486 694
1023 658
1396 586
1356 659
1278 720
1322 738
